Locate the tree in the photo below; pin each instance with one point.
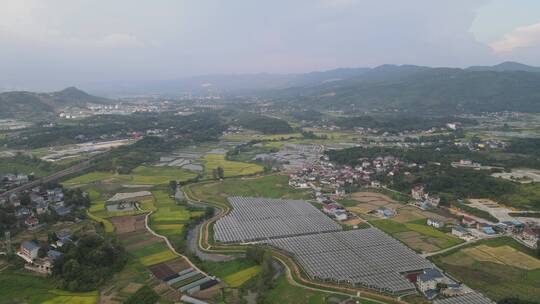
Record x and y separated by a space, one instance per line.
145 295
214 174
220 172
266 277
42 251
173 184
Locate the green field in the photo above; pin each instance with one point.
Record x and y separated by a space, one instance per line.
235 273
142 175
23 288
427 237
223 269
527 197
108 226
158 258
284 292
150 250
238 279
272 186
497 280
230 168
169 218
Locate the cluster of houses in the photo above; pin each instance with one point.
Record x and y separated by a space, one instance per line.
491 144
324 174
525 233
30 204
41 259
423 199
10 181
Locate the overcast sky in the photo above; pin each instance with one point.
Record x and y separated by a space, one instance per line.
56 43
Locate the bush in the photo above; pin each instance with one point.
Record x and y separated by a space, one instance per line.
145 295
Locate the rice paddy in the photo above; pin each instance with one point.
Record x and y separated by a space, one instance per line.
230 168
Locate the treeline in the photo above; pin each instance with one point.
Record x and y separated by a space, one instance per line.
437 173
203 125
437 152
88 263
192 129
265 280
307 115
398 123
264 124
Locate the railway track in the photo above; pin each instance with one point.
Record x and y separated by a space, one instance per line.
47 179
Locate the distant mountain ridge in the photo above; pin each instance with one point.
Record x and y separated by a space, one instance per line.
503 87
24 103
508 66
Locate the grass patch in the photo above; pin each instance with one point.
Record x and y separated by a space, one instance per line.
150 250
390 226
496 279
272 186
526 197
426 235
449 240
476 212
224 269
108 226
283 292
23 288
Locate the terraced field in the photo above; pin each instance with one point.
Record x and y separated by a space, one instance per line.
169 218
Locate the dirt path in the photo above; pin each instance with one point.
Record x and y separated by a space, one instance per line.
170 245
425 255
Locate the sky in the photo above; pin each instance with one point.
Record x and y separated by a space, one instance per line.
46 45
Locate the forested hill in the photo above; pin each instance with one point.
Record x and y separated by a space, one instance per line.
23 103
420 89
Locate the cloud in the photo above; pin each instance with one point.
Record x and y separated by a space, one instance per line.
521 37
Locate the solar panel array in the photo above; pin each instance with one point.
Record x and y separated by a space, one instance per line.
468 298
257 219
364 257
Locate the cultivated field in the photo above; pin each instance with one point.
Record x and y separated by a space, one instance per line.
146 251
417 235
27 288
234 273
500 268
142 175
230 168
271 186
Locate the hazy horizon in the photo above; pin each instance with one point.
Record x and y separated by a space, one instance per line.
61 43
